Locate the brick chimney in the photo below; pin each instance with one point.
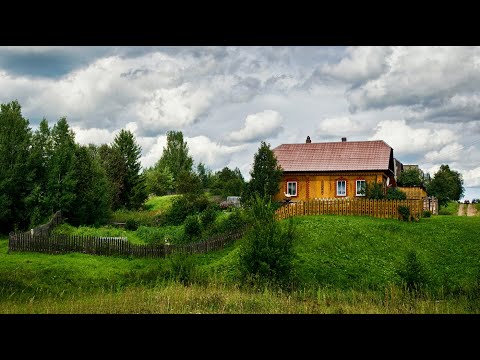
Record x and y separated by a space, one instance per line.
344 139
308 140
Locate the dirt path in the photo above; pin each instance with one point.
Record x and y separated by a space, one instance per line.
471 210
461 210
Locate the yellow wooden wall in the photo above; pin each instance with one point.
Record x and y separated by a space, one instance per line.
414 192
313 186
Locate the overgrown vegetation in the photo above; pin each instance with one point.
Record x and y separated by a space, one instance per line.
343 264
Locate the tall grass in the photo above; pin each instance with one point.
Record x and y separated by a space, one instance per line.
175 298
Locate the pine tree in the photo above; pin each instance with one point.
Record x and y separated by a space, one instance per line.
266 174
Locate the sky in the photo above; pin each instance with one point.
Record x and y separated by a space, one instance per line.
422 101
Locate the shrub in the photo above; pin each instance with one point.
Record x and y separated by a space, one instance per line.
192 227
185 205
208 216
266 255
234 221
394 193
131 224
404 212
412 273
426 213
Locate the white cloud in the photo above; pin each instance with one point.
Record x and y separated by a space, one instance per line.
408 140
471 177
258 127
360 64
448 153
93 135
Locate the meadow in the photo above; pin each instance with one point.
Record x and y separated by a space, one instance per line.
346 264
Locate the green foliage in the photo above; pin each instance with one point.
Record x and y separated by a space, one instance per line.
134 192
175 155
228 182
160 235
450 208
446 185
394 193
92 188
15 174
205 175
159 203
265 175
188 183
140 217
159 181
131 224
374 190
404 212
185 205
426 213
233 221
192 228
266 254
182 268
115 167
208 216
412 273
410 177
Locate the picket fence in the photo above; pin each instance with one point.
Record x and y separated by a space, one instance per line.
366 207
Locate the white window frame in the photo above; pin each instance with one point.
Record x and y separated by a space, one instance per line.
356 187
296 188
344 181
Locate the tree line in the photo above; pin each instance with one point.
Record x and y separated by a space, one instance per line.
46 170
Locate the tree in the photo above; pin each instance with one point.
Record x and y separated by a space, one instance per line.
394 193
134 187
265 175
159 181
92 188
40 157
15 174
446 185
228 182
115 167
61 180
175 155
204 174
410 177
266 254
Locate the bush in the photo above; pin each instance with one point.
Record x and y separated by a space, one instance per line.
234 221
207 217
160 235
394 193
131 224
266 255
185 205
412 272
426 213
192 227
404 212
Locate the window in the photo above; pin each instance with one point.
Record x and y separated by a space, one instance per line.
360 188
341 187
292 188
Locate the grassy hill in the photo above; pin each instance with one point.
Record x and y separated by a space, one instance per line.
344 264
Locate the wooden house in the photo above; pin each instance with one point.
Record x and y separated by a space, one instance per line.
333 169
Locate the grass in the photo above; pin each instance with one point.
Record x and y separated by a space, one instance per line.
107 231
174 298
159 203
450 209
344 264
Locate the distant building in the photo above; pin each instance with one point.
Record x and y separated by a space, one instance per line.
397 168
412 167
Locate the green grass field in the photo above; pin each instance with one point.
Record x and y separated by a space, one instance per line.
450 209
344 265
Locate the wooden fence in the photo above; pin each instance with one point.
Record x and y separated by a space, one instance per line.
368 207
95 245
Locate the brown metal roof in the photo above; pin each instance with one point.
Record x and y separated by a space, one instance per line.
334 156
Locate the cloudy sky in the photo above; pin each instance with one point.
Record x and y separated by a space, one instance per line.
422 101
